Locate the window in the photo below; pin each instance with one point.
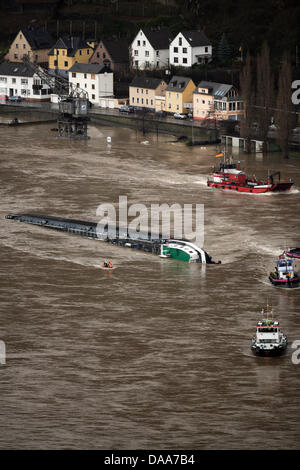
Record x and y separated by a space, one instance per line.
80 52
177 96
103 55
93 87
24 46
88 52
184 60
139 43
73 74
17 46
142 100
13 80
3 80
175 49
147 64
85 75
147 53
203 101
142 90
180 42
206 49
151 102
93 97
55 63
144 43
177 107
15 56
24 81
136 63
136 52
157 64
132 100
146 91
184 50
157 53
137 90
98 55
66 63
147 101
137 100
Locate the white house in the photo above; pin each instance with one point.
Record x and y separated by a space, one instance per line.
189 48
18 79
96 79
150 49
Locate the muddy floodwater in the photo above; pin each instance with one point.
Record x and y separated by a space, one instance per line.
155 354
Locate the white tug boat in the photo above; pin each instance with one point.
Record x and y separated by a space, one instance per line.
268 339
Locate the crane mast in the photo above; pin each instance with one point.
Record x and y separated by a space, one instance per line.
73 103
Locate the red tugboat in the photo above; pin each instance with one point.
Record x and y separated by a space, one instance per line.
230 176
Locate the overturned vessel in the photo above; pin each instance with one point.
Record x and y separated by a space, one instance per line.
268 339
145 241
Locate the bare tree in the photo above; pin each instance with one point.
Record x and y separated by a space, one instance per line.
247 93
285 118
264 93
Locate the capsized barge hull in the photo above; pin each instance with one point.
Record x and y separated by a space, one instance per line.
143 241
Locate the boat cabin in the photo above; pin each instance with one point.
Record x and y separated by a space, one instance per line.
284 268
268 331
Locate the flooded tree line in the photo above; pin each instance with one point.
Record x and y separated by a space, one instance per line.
268 101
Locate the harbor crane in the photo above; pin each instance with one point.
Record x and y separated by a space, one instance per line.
73 103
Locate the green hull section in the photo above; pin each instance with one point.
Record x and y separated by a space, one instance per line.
176 253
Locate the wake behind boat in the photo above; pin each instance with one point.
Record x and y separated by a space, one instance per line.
230 176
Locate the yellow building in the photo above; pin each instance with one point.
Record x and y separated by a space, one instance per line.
179 95
144 90
67 52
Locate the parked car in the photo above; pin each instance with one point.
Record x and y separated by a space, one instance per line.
126 109
180 116
3 97
15 98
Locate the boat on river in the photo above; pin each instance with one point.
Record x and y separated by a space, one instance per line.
284 274
293 253
230 176
268 339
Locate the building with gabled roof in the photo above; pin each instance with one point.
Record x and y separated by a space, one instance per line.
179 95
189 48
212 100
66 52
18 79
144 90
150 49
113 53
97 80
36 43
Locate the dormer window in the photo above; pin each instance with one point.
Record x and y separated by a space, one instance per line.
180 42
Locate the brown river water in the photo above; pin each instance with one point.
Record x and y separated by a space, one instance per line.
155 354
